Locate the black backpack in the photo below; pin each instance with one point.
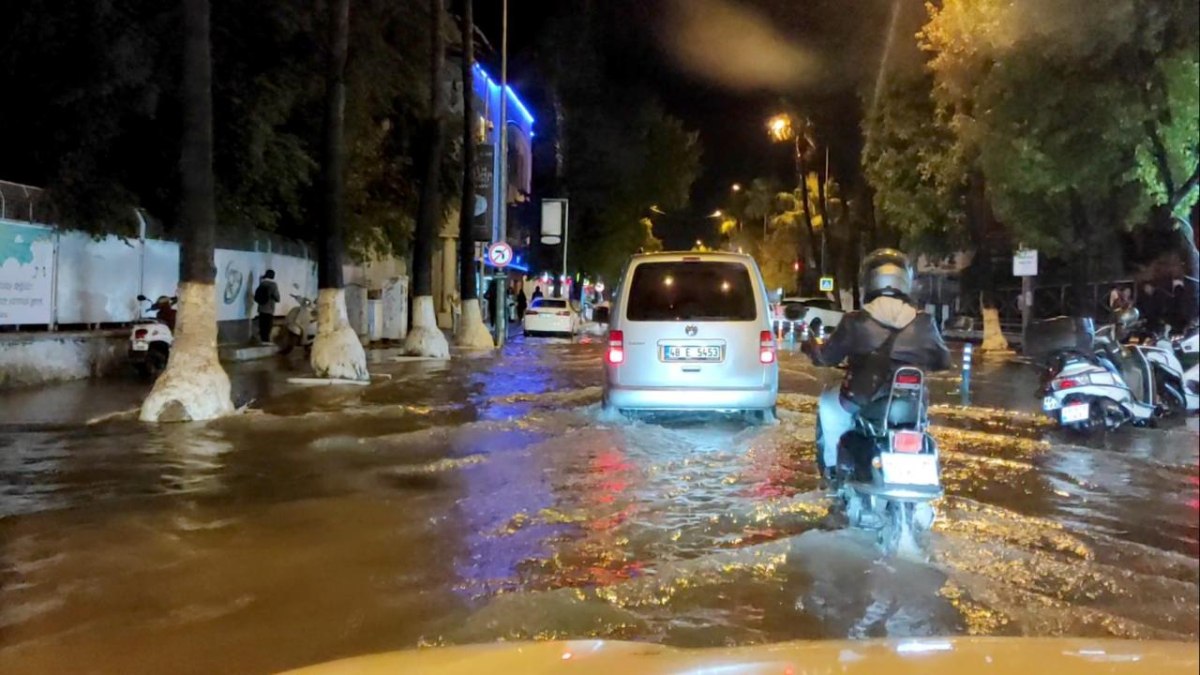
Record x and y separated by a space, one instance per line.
262 295
873 373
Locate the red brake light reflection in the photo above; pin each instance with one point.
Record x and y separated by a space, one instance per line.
908 378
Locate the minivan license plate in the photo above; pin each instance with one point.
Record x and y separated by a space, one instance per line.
691 353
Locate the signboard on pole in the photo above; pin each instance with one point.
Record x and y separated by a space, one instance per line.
26 264
1025 263
826 284
554 220
500 254
485 192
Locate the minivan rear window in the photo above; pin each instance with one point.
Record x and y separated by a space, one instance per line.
691 291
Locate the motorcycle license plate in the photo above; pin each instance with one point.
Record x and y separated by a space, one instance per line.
140 346
1076 412
1050 404
906 469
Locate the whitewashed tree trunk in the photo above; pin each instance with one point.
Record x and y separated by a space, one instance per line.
472 332
426 339
193 387
337 353
993 338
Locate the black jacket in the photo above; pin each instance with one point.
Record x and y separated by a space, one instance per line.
860 333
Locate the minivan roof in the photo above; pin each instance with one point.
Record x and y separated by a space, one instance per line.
675 256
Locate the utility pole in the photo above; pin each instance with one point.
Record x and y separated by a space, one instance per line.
501 279
824 209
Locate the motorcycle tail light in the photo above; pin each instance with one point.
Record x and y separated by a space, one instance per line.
910 442
616 347
766 347
908 378
140 334
1066 383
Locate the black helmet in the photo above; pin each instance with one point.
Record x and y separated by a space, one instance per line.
885 271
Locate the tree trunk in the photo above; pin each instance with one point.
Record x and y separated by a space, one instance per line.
472 332
978 220
426 339
337 352
194 387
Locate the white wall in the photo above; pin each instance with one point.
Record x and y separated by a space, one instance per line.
98 279
50 276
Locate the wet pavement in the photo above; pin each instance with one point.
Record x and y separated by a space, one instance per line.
488 498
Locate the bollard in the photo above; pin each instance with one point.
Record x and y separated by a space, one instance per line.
965 386
792 336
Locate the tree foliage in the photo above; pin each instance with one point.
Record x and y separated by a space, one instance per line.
1080 118
623 154
98 120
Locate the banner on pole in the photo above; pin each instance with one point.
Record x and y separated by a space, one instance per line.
554 217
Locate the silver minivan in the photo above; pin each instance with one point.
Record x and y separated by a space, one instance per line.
691 332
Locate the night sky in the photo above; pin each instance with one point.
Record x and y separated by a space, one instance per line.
843 42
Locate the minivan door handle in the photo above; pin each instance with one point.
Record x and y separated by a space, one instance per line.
691 370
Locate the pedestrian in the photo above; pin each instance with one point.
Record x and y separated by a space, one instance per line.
1150 307
537 294
1183 306
522 303
265 296
1114 299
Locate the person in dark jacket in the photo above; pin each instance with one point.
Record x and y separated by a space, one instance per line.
265 296
886 319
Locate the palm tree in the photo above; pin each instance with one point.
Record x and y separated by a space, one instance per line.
425 338
472 332
337 352
194 386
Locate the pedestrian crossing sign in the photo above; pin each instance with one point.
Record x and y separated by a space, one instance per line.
826 284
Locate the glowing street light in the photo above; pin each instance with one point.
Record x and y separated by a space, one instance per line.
736 187
780 127
716 214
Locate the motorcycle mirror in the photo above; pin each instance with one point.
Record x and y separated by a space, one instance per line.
142 298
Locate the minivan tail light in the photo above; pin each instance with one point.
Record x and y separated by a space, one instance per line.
766 347
140 333
616 347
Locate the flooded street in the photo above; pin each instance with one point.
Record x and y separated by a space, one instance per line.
488 498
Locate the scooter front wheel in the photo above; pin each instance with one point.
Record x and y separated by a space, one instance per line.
288 343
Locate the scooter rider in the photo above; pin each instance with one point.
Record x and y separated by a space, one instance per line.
887 332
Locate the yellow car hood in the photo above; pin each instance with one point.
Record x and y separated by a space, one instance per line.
927 656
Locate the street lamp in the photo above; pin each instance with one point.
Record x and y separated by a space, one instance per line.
716 214
736 187
780 127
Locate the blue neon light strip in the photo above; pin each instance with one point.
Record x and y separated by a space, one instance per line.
512 96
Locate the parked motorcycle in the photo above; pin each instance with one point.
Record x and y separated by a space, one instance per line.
1186 348
300 326
151 338
888 471
1091 380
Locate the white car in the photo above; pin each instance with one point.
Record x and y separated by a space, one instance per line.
550 316
804 315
